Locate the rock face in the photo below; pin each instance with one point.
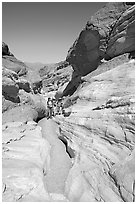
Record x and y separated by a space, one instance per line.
11 84
10 88
11 63
25 157
101 131
36 86
113 24
122 37
19 99
124 176
25 85
55 76
31 107
5 50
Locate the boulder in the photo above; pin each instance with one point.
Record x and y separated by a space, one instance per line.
10 88
7 104
36 86
21 113
84 55
35 101
24 84
31 107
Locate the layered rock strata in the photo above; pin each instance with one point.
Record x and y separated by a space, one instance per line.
101 131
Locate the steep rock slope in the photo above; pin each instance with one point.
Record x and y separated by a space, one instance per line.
122 37
112 27
101 130
109 33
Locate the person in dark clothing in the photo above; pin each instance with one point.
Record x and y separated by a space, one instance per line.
59 105
50 108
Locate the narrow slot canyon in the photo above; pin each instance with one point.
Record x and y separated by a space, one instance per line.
60 158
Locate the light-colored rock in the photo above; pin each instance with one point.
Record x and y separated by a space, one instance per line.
123 174
22 113
11 63
56 77
101 130
25 157
10 74
60 163
7 104
31 107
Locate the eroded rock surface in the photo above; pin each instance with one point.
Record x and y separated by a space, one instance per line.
11 63
25 157
122 37
19 99
60 162
101 130
56 76
31 107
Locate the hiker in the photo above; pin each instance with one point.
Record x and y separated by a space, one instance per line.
62 108
54 105
50 108
54 102
58 107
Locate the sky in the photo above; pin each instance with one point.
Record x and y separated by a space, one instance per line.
44 31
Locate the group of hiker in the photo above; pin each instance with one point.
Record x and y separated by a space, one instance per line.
55 107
